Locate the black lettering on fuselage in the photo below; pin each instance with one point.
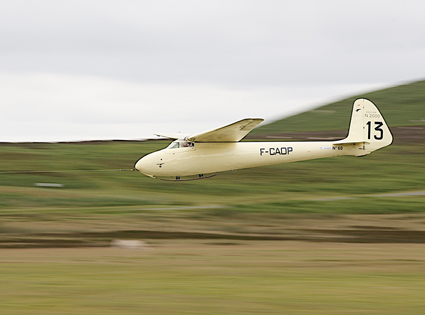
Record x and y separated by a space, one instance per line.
276 151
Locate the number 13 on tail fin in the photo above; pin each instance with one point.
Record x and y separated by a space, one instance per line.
379 133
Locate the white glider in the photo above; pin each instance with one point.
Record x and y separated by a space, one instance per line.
219 150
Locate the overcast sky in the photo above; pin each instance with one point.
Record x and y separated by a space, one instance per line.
79 70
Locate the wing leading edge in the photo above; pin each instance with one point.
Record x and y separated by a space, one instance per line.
230 133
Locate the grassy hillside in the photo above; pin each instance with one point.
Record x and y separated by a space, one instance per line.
402 105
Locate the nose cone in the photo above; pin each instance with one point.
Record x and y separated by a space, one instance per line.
143 166
138 165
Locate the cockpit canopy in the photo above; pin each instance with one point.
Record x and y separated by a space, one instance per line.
181 144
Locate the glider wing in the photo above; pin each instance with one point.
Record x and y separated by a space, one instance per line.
230 133
174 136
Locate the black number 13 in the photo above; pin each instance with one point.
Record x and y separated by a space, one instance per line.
378 128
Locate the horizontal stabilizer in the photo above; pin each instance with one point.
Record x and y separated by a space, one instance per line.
350 142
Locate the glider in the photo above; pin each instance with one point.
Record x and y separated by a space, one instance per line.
209 153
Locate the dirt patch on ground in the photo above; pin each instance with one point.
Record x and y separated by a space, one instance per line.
243 227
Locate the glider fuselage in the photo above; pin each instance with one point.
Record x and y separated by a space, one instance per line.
220 150
204 158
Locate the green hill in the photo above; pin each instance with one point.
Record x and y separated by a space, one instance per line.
402 105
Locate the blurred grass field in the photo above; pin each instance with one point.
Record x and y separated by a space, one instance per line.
176 277
323 236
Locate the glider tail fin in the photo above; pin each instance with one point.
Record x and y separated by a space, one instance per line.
368 128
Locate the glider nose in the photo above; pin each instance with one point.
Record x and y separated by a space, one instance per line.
142 166
138 165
